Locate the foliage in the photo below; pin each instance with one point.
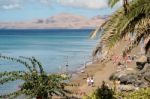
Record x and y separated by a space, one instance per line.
111 3
37 83
101 93
120 24
143 93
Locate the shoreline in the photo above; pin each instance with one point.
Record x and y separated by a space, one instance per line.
100 71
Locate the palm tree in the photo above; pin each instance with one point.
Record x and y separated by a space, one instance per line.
36 82
125 4
120 24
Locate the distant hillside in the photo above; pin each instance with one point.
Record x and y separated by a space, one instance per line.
62 20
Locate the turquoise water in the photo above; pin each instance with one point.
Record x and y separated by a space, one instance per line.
51 47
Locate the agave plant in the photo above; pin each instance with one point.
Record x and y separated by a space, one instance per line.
36 82
120 24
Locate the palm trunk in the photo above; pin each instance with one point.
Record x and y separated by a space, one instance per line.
45 96
125 5
39 97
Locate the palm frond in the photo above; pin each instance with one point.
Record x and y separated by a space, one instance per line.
12 95
142 30
31 60
35 63
13 73
120 25
8 79
39 65
96 31
111 3
18 61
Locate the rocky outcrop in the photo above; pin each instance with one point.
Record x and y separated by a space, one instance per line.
127 88
122 75
132 79
140 63
128 79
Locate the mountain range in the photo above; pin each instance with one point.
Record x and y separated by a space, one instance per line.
61 21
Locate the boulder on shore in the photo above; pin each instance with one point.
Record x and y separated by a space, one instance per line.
127 88
128 79
140 63
120 74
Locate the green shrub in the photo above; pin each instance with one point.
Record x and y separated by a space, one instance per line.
143 93
101 93
105 93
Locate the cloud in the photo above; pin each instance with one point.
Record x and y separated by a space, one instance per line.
10 6
15 4
92 4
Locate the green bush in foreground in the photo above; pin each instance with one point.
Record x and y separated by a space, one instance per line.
101 93
36 82
143 93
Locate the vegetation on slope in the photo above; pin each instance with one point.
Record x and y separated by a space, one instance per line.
136 21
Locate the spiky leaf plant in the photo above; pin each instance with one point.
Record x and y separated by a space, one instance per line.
36 82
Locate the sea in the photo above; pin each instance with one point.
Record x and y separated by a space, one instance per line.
54 48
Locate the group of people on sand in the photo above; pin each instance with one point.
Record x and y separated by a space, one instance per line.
90 81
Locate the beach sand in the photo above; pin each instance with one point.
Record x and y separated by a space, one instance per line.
101 71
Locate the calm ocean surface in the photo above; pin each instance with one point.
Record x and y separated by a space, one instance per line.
51 47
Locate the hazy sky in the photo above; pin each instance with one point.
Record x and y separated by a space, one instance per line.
16 10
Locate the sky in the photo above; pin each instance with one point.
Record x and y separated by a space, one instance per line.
22 10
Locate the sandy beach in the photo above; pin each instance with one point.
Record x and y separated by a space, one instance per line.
75 49
101 71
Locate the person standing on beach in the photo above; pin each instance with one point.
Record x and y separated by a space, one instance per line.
88 81
92 81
